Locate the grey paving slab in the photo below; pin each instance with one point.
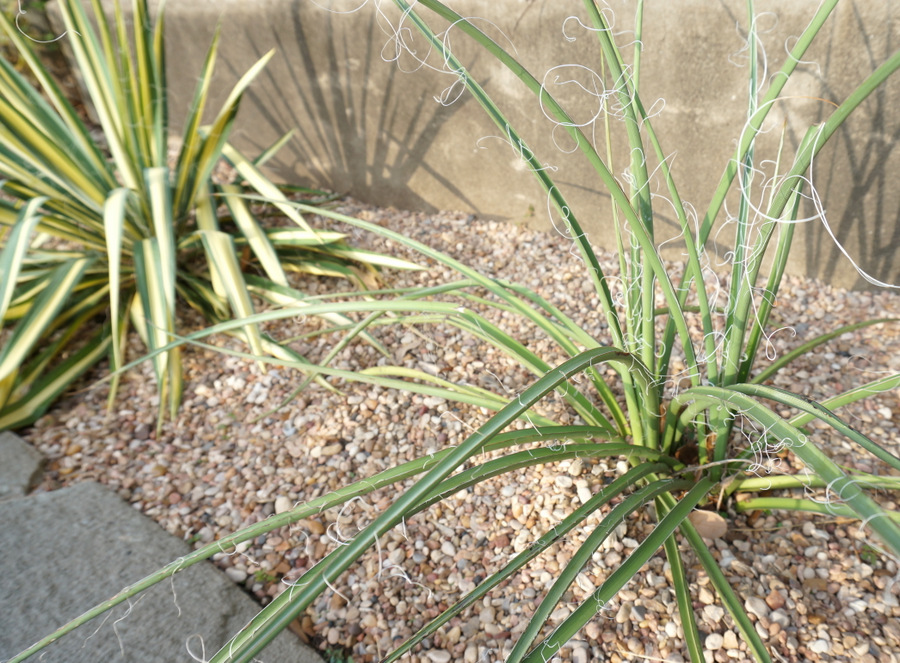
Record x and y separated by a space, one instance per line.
20 466
67 550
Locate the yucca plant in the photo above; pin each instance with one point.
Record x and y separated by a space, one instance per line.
680 444
94 235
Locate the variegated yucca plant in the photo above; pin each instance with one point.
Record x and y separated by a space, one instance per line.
98 239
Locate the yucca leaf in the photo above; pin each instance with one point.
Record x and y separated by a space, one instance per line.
187 182
214 136
94 61
47 158
257 238
286 296
737 399
261 184
582 556
683 599
40 317
285 608
222 258
161 215
64 116
828 508
15 248
272 150
147 85
729 599
42 394
113 223
821 412
541 544
153 314
548 648
373 258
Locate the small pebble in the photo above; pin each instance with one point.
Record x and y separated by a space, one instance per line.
332 449
819 646
713 614
714 641
236 575
756 606
563 481
729 640
775 600
282 504
580 655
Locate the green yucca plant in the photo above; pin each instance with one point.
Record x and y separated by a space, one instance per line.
96 236
681 445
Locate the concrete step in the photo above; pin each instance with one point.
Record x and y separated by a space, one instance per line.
70 549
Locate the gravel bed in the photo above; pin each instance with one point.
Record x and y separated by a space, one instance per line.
815 589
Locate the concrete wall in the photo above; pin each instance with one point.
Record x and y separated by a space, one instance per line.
373 129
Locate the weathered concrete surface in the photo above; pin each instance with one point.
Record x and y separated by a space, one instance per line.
70 549
20 466
373 128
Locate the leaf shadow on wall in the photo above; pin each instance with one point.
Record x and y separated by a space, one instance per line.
366 136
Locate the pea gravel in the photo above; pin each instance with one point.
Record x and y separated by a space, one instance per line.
815 587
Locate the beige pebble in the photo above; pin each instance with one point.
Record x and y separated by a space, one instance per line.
729 640
236 575
331 449
563 481
709 524
713 642
314 526
756 606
